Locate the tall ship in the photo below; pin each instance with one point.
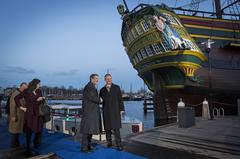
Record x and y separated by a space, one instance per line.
184 52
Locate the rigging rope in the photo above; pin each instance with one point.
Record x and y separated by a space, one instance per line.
175 4
199 104
234 10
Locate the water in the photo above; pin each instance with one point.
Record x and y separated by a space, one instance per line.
135 109
132 109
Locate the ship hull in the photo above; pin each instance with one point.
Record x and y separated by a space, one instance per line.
222 80
174 56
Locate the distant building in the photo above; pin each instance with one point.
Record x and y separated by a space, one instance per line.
1 91
9 90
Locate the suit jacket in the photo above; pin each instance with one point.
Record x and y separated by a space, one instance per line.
90 122
112 105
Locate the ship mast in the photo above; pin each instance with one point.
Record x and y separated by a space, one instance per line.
125 4
218 9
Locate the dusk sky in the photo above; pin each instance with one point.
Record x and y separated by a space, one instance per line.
62 42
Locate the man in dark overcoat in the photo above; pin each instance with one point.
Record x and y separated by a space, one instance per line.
113 108
90 123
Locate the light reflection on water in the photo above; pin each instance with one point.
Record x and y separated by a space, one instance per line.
132 109
135 109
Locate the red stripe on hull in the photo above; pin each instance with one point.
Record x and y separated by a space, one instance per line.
217 24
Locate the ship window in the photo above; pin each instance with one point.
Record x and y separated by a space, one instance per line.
127 40
136 59
189 45
157 48
193 47
165 44
149 51
145 25
170 19
130 37
139 56
134 33
143 53
152 23
124 32
161 47
139 28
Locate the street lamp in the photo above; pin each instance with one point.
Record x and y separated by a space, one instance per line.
208 44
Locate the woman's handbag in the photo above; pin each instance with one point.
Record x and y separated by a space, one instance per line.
44 111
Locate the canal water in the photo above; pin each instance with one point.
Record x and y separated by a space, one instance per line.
132 109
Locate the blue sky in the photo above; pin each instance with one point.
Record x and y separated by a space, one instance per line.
61 42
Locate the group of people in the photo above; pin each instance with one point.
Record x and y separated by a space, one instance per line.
24 116
111 98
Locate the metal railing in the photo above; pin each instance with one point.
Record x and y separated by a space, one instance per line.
218 112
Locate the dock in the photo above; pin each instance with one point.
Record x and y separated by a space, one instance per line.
208 139
57 146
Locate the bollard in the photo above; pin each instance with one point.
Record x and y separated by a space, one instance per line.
180 105
185 115
205 110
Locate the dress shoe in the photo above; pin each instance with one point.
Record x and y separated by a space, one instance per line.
36 146
31 154
109 144
85 149
119 147
91 148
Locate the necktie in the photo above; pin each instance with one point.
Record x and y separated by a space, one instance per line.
108 88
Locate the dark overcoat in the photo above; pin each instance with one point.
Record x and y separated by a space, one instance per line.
112 105
90 122
33 121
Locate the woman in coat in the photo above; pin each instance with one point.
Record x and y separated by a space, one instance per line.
33 122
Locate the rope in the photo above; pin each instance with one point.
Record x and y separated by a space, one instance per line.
195 105
223 103
64 114
175 4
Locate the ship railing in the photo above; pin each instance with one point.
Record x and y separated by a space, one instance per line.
74 130
204 14
75 116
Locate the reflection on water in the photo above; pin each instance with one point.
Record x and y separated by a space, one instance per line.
132 109
135 109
